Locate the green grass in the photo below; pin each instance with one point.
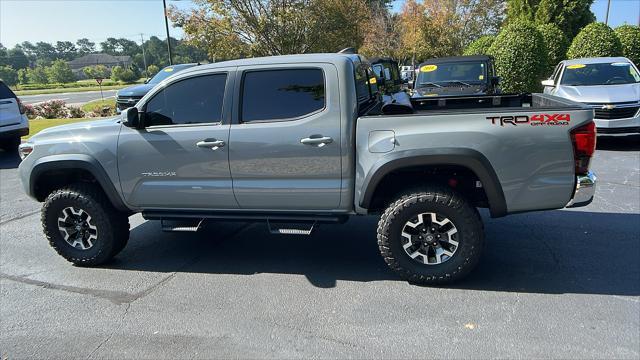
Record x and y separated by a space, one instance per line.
90 106
67 90
35 126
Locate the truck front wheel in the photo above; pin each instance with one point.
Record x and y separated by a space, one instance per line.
431 237
82 225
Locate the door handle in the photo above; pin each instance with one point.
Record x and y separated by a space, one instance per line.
319 141
213 144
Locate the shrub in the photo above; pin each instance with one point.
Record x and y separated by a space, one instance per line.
152 70
629 36
38 75
595 40
75 112
59 71
30 111
52 109
520 57
98 71
480 46
118 73
555 42
8 75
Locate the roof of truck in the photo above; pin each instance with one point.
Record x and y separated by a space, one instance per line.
458 58
280 59
595 60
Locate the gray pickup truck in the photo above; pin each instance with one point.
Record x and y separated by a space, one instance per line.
301 140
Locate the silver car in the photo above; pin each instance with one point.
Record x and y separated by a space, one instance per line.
611 85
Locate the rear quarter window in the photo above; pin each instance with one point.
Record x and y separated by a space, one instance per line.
5 92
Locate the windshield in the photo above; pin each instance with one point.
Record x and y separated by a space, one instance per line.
600 74
446 74
165 73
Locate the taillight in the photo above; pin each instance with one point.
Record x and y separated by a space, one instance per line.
584 145
22 108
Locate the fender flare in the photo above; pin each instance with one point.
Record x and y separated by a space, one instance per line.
471 159
77 161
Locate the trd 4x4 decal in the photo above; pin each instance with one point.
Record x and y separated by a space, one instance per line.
533 120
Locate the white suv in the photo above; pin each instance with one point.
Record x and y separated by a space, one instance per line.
13 121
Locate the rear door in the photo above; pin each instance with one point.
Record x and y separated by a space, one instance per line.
285 140
9 108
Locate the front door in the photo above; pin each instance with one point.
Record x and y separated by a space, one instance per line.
180 159
285 142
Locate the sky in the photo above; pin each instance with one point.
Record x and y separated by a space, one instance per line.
54 20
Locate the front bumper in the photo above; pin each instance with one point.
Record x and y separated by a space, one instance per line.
624 126
585 190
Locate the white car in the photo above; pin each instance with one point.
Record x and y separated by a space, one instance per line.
611 85
13 120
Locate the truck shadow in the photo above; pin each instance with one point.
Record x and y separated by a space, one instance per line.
9 160
548 252
618 143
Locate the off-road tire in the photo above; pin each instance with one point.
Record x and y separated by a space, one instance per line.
112 225
438 200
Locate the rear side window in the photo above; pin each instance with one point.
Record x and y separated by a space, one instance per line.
272 95
5 92
191 101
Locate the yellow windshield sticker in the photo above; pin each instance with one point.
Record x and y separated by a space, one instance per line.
431 95
373 80
428 68
168 69
480 77
576 66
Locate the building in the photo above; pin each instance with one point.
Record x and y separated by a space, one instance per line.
107 60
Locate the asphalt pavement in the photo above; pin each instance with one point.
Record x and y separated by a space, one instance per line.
71 98
554 284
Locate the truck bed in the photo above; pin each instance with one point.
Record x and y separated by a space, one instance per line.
523 139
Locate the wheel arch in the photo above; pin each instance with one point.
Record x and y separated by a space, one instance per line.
72 165
469 159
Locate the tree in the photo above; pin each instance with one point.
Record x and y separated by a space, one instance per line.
381 35
569 16
480 46
17 59
118 73
85 46
60 72
595 40
519 57
45 52
556 44
521 10
38 75
23 76
66 50
94 72
629 36
152 70
8 75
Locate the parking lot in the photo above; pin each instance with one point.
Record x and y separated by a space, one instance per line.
560 284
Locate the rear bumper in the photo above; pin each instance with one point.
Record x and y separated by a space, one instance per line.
585 190
14 133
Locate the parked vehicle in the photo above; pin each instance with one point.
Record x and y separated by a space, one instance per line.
13 120
298 141
610 85
407 73
129 96
388 72
456 76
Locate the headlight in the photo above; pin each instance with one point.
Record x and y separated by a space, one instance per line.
25 149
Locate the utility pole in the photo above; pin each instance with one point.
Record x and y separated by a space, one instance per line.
606 17
144 57
166 25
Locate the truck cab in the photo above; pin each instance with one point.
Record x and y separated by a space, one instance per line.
456 76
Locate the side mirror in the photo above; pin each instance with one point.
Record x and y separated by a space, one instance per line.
548 82
131 118
495 80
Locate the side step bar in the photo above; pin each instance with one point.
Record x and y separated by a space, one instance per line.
181 225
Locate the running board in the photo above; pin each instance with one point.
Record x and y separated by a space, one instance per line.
291 228
185 225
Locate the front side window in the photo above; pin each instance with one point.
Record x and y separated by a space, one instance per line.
191 101
616 73
272 95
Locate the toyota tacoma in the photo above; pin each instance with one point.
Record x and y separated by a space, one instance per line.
302 140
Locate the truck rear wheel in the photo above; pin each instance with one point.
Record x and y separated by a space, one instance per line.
82 225
431 237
